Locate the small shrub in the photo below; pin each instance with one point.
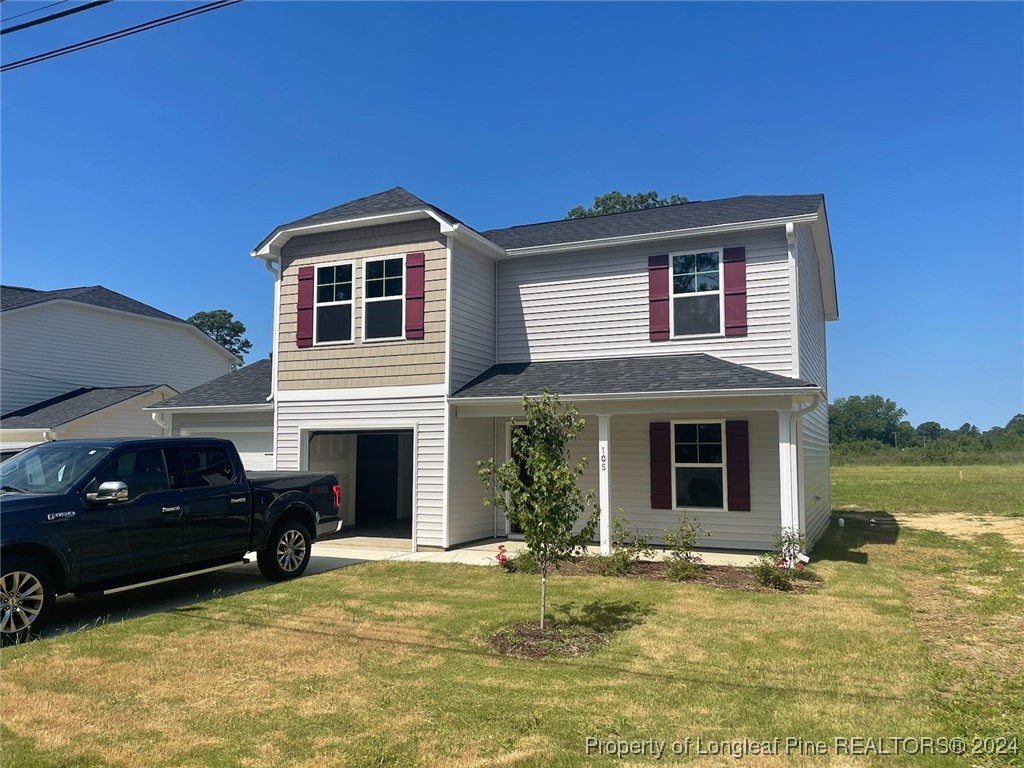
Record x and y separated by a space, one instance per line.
615 564
772 573
683 562
788 544
631 542
524 562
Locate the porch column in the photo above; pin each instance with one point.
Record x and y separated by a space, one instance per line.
788 472
604 492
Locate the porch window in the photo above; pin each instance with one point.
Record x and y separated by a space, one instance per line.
333 303
384 299
698 464
696 293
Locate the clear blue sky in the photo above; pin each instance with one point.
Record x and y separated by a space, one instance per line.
152 165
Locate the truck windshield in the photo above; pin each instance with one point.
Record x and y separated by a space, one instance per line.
48 468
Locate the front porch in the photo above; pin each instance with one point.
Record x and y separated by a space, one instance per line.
725 452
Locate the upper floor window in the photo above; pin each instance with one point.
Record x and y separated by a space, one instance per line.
696 293
333 317
384 298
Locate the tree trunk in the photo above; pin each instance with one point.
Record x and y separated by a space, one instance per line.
543 593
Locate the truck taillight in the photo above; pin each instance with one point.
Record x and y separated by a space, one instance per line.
337 496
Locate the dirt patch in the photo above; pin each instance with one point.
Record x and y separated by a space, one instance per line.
967 526
724 576
527 640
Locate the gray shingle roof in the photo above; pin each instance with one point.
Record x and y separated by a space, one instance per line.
394 199
70 406
731 210
13 297
246 386
622 375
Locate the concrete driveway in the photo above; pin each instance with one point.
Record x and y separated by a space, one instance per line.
73 613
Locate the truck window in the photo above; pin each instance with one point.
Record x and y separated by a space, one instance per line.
207 466
142 471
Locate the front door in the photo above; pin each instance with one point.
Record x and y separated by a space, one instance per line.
124 540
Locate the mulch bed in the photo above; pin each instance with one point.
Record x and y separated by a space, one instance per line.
527 640
726 576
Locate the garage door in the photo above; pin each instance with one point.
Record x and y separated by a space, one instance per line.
256 448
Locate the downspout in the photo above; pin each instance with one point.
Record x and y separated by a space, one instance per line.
794 476
274 352
164 426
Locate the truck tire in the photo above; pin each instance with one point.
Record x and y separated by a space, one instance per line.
27 595
286 553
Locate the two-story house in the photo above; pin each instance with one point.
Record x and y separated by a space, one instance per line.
84 362
691 337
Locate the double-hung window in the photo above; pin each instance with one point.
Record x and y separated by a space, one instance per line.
333 318
698 453
384 298
696 293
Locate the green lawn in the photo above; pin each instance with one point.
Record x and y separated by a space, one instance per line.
996 489
386 664
916 633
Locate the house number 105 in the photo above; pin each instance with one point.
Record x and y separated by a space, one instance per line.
604 461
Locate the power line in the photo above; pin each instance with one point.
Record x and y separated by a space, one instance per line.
162 21
35 10
54 16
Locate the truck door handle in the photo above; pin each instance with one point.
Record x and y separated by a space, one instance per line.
240 500
170 510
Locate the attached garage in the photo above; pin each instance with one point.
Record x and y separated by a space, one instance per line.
375 469
233 407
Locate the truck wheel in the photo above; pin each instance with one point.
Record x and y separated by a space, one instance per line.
286 553
27 595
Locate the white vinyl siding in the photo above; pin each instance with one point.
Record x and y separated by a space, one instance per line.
472 326
57 347
125 419
389 411
595 304
468 518
813 368
630 471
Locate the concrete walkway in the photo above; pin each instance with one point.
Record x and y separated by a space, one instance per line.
482 553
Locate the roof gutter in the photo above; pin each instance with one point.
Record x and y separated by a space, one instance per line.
653 237
240 408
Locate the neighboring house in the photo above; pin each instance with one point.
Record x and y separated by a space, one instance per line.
85 361
234 407
691 337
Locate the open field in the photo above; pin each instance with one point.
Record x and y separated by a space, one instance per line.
994 489
916 633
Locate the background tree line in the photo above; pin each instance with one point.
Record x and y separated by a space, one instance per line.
873 429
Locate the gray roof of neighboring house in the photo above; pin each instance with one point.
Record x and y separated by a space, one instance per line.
13 297
71 405
246 386
669 218
622 375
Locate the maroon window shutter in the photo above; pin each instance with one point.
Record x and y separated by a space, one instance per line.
414 296
734 266
737 465
661 465
658 302
304 319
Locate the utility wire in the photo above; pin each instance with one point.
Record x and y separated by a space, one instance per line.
35 10
47 378
54 16
162 21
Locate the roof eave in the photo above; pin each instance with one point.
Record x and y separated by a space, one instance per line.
826 263
238 408
813 391
653 237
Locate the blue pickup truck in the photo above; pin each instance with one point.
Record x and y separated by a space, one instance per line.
87 516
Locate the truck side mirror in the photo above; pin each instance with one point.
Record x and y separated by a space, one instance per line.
109 492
